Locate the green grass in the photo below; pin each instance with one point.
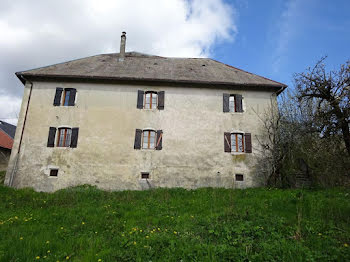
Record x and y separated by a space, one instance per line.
86 224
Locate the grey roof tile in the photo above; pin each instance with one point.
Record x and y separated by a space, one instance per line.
142 67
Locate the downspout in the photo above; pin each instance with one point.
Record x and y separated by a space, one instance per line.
13 173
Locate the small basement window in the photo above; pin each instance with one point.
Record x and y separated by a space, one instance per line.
239 177
54 172
144 175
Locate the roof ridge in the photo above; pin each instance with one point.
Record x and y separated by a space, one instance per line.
248 72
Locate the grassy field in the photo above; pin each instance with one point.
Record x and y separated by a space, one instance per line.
86 224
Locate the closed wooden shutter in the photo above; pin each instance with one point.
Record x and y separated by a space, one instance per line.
248 142
138 134
74 139
57 100
51 138
72 94
161 97
227 142
159 140
226 102
140 95
239 105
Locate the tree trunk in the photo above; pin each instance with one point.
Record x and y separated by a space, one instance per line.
346 135
343 124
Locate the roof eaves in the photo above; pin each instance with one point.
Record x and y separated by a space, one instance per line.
171 81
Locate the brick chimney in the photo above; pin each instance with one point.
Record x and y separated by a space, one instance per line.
122 47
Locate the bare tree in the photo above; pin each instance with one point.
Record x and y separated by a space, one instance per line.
330 93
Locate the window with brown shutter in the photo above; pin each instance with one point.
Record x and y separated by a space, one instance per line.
58 94
161 98
74 139
150 100
137 143
159 140
237 142
227 142
148 139
232 103
140 95
68 98
66 137
51 138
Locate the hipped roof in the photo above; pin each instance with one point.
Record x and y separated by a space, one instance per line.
149 68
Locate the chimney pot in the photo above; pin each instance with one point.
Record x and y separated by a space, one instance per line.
122 46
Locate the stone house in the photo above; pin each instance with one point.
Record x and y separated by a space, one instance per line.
7 134
134 121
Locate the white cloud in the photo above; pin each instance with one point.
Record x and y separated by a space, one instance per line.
9 108
39 33
287 30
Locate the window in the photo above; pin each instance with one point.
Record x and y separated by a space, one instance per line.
232 103
239 177
148 139
144 175
68 98
54 172
64 137
150 100
237 142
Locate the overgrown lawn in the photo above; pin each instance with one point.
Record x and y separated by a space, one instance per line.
87 224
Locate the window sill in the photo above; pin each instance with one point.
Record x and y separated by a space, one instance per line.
147 109
235 113
238 153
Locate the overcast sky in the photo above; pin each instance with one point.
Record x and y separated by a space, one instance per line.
273 40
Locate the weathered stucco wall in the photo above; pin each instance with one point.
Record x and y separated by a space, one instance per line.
193 125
